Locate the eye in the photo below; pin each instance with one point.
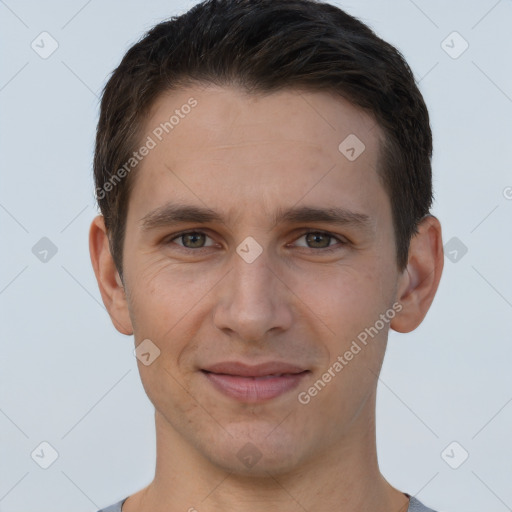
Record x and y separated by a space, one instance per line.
320 240
192 240
313 240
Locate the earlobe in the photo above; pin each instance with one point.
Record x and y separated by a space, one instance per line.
420 280
110 284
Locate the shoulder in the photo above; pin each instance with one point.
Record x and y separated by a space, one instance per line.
416 506
116 507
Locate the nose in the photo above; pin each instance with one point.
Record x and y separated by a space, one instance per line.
252 300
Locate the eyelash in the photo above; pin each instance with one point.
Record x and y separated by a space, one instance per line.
328 249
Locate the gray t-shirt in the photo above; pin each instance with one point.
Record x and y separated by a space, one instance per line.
414 506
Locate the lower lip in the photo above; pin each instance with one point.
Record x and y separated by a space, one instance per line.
254 389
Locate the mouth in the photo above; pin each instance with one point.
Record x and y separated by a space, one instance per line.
254 384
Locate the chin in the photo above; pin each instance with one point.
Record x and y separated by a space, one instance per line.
251 451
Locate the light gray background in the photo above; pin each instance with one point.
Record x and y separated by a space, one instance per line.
68 378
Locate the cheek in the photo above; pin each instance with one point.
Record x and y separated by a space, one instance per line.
158 297
165 298
164 285
347 305
342 298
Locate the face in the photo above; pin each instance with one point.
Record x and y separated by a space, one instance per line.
290 266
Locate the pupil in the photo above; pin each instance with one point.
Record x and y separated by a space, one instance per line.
194 238
315 238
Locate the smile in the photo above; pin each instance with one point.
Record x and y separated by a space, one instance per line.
254 389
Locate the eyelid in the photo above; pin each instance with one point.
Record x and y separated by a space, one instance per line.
342 240
174 236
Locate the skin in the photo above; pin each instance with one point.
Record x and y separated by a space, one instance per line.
245 156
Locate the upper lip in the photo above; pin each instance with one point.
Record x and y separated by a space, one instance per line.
260 370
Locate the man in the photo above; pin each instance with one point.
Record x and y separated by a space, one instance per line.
263 170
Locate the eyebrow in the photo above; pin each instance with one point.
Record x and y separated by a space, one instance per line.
173 213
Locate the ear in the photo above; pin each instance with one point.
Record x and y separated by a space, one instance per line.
110 285
418 283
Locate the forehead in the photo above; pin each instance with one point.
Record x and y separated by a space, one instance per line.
261 148
288 113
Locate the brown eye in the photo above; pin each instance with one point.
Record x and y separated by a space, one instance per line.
318 240
192 240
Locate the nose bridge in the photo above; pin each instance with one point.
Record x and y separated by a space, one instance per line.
252 278
251 301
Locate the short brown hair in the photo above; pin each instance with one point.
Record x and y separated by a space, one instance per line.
265 46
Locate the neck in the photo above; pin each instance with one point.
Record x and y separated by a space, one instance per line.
344 478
